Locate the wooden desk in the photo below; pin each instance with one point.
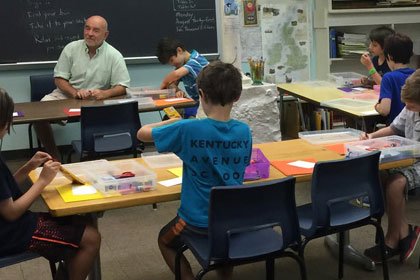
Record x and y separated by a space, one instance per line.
292 149
284 150
53 110
316 95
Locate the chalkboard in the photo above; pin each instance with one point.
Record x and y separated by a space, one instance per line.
37 30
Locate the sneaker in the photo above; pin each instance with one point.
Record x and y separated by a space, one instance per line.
374 253
363 201
408 244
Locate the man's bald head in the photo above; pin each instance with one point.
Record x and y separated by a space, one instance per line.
95 32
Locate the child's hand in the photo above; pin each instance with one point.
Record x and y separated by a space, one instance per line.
365 136
180 94
38 159
364 81
49 171
366 61
163 86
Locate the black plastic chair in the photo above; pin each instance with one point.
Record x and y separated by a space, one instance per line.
334 185
23 257
243 223
41 85
108 130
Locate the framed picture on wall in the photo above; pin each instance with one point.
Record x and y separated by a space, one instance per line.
250 11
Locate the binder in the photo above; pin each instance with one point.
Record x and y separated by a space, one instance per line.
333 44
317 118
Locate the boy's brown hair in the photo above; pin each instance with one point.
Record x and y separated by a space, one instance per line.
167 47
221 82
410 92
399 47
379 34
6 110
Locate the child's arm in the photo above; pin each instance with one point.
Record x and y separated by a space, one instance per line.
145 132
383 107
37 160
367 62
174 76
178 92
12 210
386 131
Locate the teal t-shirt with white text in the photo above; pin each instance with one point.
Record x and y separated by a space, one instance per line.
214 153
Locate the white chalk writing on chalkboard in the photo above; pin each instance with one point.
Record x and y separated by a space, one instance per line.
47 24
39 29
190 22
190 5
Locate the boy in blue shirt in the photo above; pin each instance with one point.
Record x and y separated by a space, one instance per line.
398 49
215 152
187 67
377 66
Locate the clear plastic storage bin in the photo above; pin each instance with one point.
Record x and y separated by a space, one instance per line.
151 92
81 169
346 78
331 136
125 176
143 102
392 148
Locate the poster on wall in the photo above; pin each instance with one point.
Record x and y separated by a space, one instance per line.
286 41
250 12
231 7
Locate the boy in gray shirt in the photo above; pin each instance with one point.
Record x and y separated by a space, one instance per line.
401 237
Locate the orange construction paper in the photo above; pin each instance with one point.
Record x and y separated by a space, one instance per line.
338 148
164 102
290 170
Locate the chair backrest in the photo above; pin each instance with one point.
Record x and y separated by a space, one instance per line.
41 85
339 181
249 208
106 120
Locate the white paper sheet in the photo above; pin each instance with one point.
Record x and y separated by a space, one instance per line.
359 88
175 99
74 110
83 190
302 164
171 182
373 112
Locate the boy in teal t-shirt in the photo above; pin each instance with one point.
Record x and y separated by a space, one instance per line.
215 152
187 67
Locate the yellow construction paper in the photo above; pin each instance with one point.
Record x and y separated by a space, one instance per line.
66 194
177 171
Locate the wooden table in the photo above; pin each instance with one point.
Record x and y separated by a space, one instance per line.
317 95
53 110
284 150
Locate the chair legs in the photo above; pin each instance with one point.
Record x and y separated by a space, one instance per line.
380 234
178 262
300 260
341 255
269 265
380 238
269 269
419 264
53 269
